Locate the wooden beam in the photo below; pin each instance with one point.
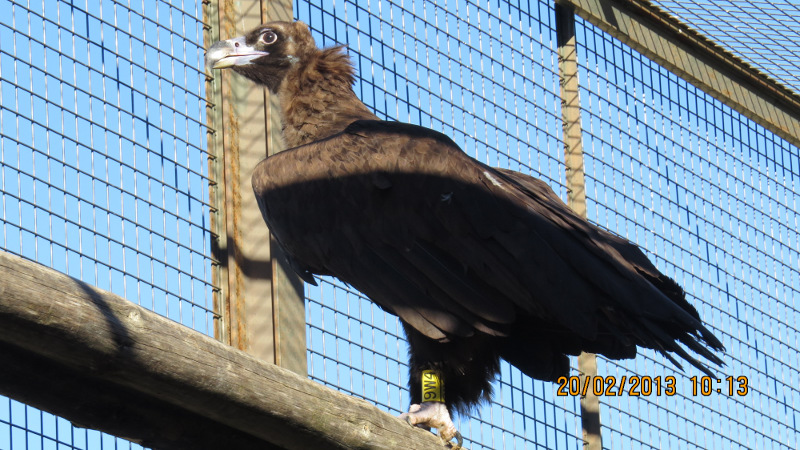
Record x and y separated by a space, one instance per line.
106 363
698 60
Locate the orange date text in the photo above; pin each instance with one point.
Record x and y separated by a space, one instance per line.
611 386
635 386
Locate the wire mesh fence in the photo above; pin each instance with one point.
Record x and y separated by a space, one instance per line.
765 33
104 166
485 74
712 197
709 195
105 177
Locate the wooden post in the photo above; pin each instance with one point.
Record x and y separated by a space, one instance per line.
576 191
571 108
261 300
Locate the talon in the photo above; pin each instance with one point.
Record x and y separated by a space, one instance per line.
459 441
454 446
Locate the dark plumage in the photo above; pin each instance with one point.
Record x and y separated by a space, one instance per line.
479 263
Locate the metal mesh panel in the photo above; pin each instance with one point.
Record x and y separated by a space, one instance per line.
713 199
104 176
485 74
710 196
24 427
765 33
103 164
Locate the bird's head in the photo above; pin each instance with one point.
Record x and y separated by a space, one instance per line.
264 55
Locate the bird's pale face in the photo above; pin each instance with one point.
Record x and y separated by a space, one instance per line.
263 55
241 51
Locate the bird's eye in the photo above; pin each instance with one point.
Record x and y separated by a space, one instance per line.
268 37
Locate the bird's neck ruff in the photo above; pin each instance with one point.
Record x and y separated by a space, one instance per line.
317 98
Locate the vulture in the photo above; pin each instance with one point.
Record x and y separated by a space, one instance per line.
479 263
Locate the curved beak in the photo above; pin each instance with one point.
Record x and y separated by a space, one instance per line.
230 53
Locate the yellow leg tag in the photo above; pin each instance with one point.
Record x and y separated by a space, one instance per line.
432 387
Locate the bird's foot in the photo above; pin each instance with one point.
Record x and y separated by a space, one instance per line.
434 415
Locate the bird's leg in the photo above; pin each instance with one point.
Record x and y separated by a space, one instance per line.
432 411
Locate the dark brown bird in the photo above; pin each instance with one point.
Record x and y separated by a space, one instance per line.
479 263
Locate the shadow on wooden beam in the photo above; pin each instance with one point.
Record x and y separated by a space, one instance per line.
119 411
105 363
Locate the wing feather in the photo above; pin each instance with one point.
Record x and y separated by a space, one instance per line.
455 247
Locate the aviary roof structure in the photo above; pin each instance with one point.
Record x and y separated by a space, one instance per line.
763 33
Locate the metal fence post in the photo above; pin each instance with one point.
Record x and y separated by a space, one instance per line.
576 190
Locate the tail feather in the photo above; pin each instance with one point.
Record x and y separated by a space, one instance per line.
667 344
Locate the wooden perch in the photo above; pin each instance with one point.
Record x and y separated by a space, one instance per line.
106 363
